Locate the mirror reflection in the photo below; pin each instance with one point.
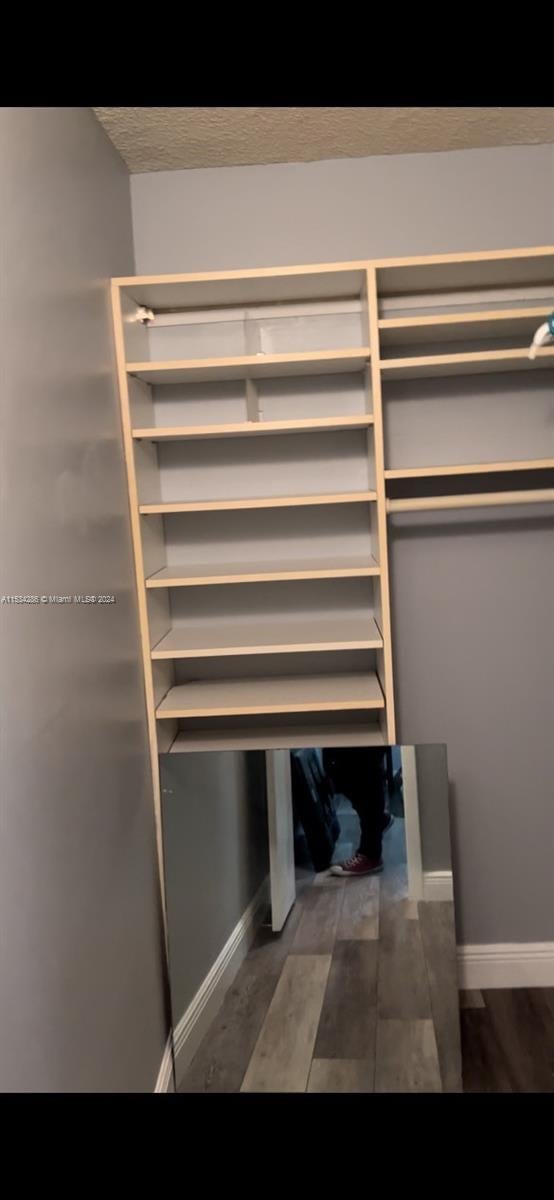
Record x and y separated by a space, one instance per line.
311 920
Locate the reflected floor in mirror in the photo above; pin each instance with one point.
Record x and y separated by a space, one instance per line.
357 994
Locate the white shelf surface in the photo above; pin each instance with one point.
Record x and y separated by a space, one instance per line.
178 433
251 366
450 327
447 272
267 285
273 737
472 363
205 574
189 506
269 636
532 464
247 697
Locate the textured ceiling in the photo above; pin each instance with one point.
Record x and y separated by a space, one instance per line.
169 139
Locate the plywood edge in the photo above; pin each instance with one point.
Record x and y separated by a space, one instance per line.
537 464
461 318
128 281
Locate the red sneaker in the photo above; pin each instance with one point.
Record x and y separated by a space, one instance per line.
359 864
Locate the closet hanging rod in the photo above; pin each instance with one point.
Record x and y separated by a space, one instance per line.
241 312
477 500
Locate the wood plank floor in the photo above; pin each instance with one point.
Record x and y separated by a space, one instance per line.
508 1040
357 994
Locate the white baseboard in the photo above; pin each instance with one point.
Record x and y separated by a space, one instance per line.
200 1013
509 965
437 885
165 1081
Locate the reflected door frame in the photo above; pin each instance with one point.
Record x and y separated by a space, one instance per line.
411 822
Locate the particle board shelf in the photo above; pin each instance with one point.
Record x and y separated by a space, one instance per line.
473 363
448 327
293 694
269 636
266 285
533 464
434 273
251 366
237 429
206 575
190 506
274 737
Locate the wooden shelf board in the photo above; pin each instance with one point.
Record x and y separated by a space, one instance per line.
536 464
446 272
474 363
252 428
247 697
205 574
251 366
453 326
273 737
269 636
189 506
208 289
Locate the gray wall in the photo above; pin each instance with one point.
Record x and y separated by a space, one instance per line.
82 1004
216 857
470 610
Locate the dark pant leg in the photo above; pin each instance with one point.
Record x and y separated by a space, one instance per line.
367 795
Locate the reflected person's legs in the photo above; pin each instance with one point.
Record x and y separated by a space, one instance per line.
367 796
358 774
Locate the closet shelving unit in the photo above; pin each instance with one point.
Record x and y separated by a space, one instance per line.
253 439
271 419
443 318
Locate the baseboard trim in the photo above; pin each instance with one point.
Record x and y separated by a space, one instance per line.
438 885
506 965
197 1018
165 1081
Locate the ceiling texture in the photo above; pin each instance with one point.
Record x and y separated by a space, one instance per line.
173 139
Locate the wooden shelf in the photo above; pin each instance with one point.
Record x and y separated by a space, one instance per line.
536 464
204 574
448 272
474 363
246 697
190 506
449 327
273 737
251 366
266 285
178 433
269 636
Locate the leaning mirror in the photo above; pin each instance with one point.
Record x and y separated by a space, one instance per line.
310 911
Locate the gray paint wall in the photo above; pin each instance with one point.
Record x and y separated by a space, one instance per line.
82 1004
483 685
216 857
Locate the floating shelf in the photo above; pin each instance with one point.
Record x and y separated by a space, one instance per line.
179 433
269 636
449 327
189 506
536 464
251 366
204 574
246 697
273 737
474 363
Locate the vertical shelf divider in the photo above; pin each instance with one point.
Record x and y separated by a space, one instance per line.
138 560
384 657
